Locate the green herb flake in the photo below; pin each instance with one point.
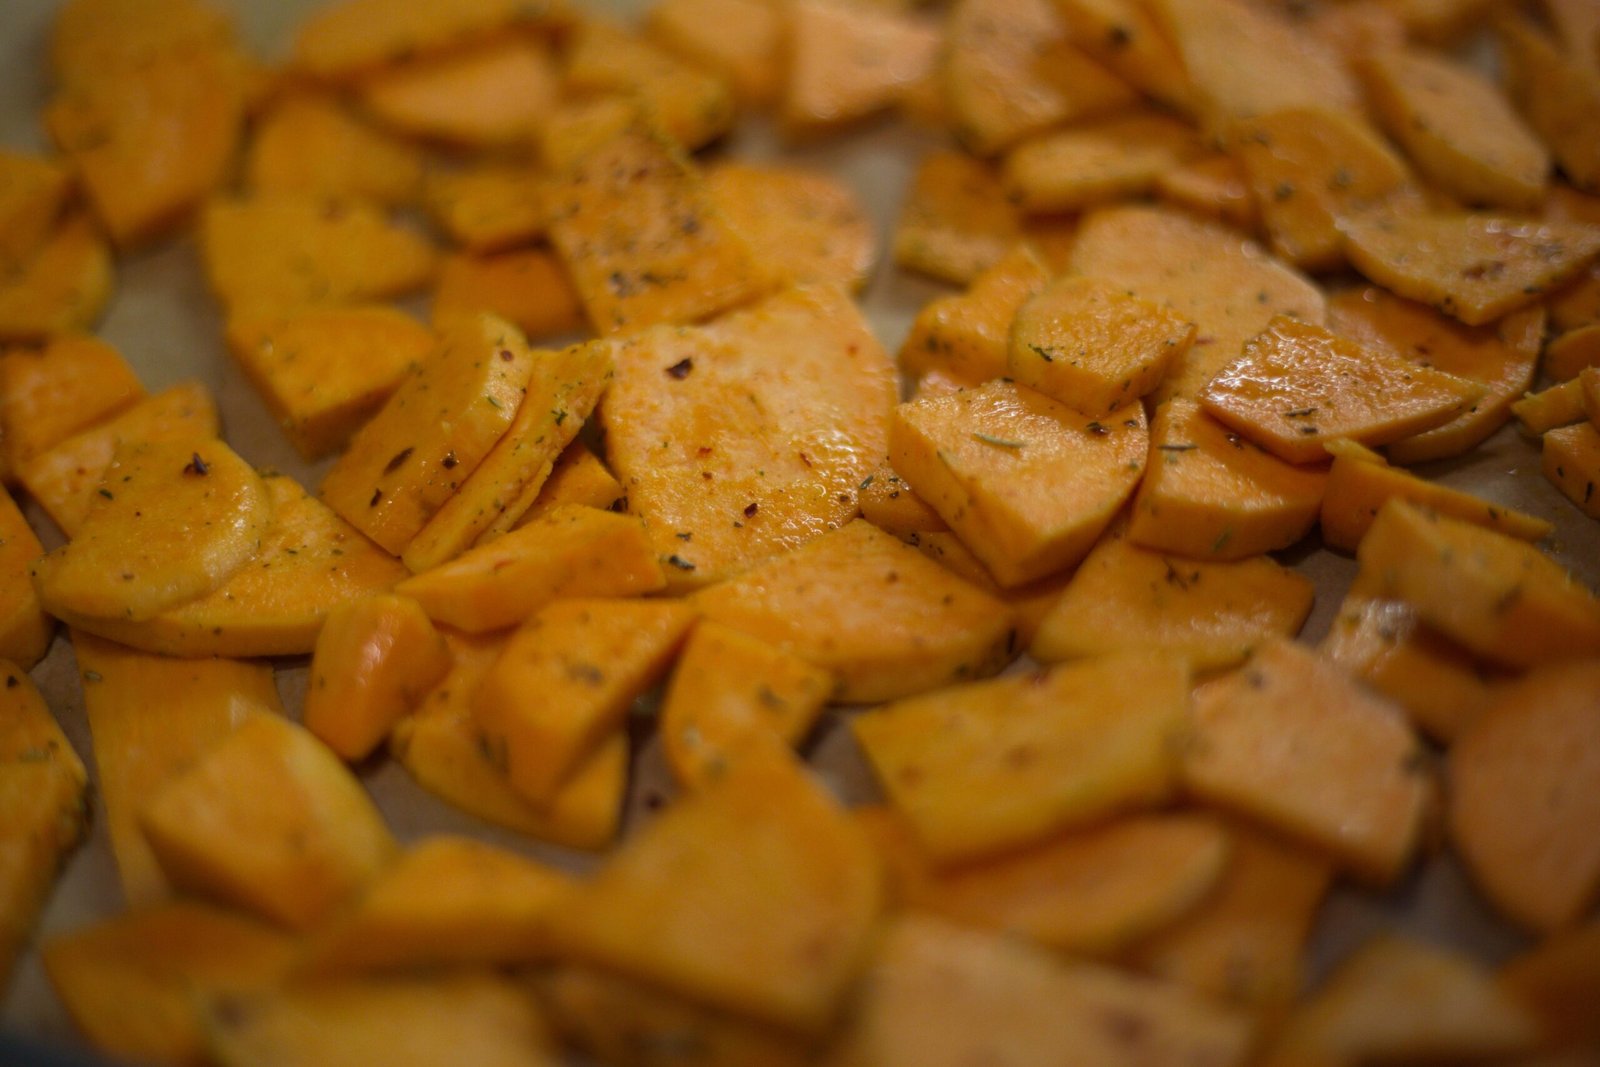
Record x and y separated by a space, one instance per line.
998 442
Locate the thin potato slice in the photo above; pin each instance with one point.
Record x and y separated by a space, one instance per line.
1124 36
1093 162
310 144
174 521
1298 386
1215 187
1124 598
890 504
63 287
1559 405
767 869
848 62
691 105
966 336
1571 461
737 39
887 621
354 36
487 207
1474 268
49 394
956 222
1558 97
496 96
810 223
33 190
577 478
25 630
1568 355
1293 742
1521 804
528 288
981 768
1500 597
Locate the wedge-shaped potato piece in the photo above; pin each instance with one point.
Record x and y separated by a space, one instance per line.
558 396
130 982
1124 36
1558 980
1396 1000
294 861
809 223
1559 405
571 551
1571 460
1214 186
1210 494
354 36
1567 356
565 681
310 144
474 1017
33 191
375 659
1244 60
493 96
63 479
751 435
443 749
1228 287
926 626
49 394
1086 892
140 744
632 1024
150 144
940 996
579 477
1500 597
1009 70
1246 942
1297 386
1558 97
642 240
175 519
1092 346
890 504
758 896
1096 161
848 62
309 561
1383 643
323 372
43 791
1501 356
527 288
735 702
1028 483
432 433
1310 167
1359 485
63 288
1293 742
446 901
277 253
691 105
736 39
1458 129
966 336
25 630
994 765
1124 598
1474 268
488 207
956 222
1521 803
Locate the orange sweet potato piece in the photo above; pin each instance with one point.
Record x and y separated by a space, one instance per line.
578 477
690 104
1214 186
1558 97
494 96
738 39
354 36
1298 385
1095 161
1559 405
890 504
487 207
527 288
49 394
1558 980
925 628
1571 460
99 39
62 288
1292 741
810 224
1572 352
33 190
308 143
1210 494
848 62
967 336
1124 36
25 630
956 222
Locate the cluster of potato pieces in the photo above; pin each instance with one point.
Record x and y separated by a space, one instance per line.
1114 856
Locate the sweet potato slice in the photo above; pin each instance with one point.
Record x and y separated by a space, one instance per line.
140 746
691 105
354 36
1559 405
1292 741
810 223
63 288
49 394
308 143
1474 268
981 768
494 96
1210 494
100 38
1520 804
25 630
174 520
1124 36
323 372
130 982
967 335
295 861
528 288
309 561
1229 288
956 222
577 478
758 896
1297 386
1458 129
565 681
1572 352
848 62
642 240
1558 980
1558 97
1571 461
487 207
446 901
1095 161
1129 599
442 748
738 39
1246 942
1214 186
33 190
925 628
718 433
1500 597
890 504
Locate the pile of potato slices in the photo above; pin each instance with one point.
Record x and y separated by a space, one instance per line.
809 699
